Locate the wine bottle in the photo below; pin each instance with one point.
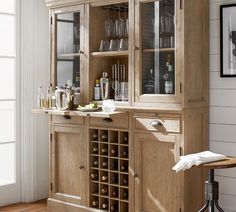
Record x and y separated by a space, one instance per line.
104 150
94 175
104 190
104 164
95 203
124 167
125 153
114 193
114 165
126 139
95 136
113 208
104 205
104 178
104 137
125 181
125 194
113 152
95 163
95 149
114 179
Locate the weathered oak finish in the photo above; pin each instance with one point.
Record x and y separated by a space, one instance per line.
68 165
157 187
161 127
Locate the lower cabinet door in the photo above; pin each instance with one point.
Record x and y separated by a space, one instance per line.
157 187
68 164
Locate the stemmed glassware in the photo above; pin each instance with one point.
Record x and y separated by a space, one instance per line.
119 25
109 25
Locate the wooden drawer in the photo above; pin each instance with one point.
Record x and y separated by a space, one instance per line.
165 123
74 120
120 121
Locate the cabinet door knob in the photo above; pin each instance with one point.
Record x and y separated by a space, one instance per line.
157 123
136 48
81 167
81 52
135 175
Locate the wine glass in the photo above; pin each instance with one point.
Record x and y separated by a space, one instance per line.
109 25
119 25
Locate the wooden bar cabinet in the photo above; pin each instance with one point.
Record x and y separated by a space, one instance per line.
122 161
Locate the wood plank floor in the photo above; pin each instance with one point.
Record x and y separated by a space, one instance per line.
39 206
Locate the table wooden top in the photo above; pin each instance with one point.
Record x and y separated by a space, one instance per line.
230 162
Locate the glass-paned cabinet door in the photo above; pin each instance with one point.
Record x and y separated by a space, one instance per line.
155 39
68 47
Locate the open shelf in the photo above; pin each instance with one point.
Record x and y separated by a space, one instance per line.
110 53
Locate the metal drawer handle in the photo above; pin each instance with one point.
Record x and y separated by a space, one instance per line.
108 120
157 123
67 117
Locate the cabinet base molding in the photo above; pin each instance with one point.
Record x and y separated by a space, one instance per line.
60 206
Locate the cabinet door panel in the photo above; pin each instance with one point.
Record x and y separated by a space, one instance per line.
68 164
157 186
156 74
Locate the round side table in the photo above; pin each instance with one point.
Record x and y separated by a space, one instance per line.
211 186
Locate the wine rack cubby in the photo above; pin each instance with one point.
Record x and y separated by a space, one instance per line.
109 170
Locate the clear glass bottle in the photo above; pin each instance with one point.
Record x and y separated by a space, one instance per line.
40 98
51 98
105 88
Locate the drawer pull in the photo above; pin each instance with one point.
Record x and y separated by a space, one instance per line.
135 175
67 117
157 123
108 120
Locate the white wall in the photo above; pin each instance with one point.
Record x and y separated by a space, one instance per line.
222 120
34 72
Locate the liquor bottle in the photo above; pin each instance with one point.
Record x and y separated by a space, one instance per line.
104 150
95 149
104 191
104 205
95 163
94 176
104 83
51 98
95 203
104 164
114 179
40 98
113 207
104 178
97 91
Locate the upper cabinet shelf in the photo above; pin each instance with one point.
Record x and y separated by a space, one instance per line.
159 50
110 53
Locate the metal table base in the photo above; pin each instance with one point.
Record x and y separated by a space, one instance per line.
211 194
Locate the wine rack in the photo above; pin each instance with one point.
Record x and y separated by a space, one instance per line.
109 170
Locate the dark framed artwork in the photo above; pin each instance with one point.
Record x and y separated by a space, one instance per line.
228 40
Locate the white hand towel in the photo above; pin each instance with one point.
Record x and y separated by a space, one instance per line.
187 161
